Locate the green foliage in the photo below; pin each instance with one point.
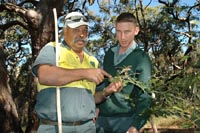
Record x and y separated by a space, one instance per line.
179 94
127 76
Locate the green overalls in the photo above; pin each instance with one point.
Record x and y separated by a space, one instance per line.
118 112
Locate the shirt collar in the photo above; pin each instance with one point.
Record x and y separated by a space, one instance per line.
131 48
118 58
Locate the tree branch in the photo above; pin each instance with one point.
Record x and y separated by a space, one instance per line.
12 23
11 7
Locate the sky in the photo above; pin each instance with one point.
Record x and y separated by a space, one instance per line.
95 7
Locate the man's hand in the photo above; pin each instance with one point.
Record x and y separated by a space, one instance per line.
132 130
96 75
112 88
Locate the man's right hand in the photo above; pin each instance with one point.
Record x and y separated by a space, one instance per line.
97 75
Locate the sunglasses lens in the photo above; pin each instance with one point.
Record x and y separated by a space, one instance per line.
77 18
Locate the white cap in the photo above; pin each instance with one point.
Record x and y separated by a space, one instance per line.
75 19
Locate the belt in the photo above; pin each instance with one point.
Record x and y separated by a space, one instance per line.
76 123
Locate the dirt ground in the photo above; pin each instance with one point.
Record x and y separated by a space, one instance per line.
169 125
171 130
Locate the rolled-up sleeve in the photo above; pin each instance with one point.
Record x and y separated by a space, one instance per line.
47 55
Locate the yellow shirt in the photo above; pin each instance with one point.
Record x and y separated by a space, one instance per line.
69 59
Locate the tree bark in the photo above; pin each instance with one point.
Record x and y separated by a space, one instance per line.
9 120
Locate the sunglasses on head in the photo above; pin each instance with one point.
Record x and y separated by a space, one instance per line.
77 18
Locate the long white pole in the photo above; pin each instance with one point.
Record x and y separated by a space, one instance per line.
59 115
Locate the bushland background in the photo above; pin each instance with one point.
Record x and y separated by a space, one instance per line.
169 34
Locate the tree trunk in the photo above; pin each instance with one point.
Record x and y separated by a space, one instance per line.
9 120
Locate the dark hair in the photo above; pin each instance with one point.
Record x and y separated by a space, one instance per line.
127 17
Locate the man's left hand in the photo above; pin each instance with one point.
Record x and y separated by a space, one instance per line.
132 130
